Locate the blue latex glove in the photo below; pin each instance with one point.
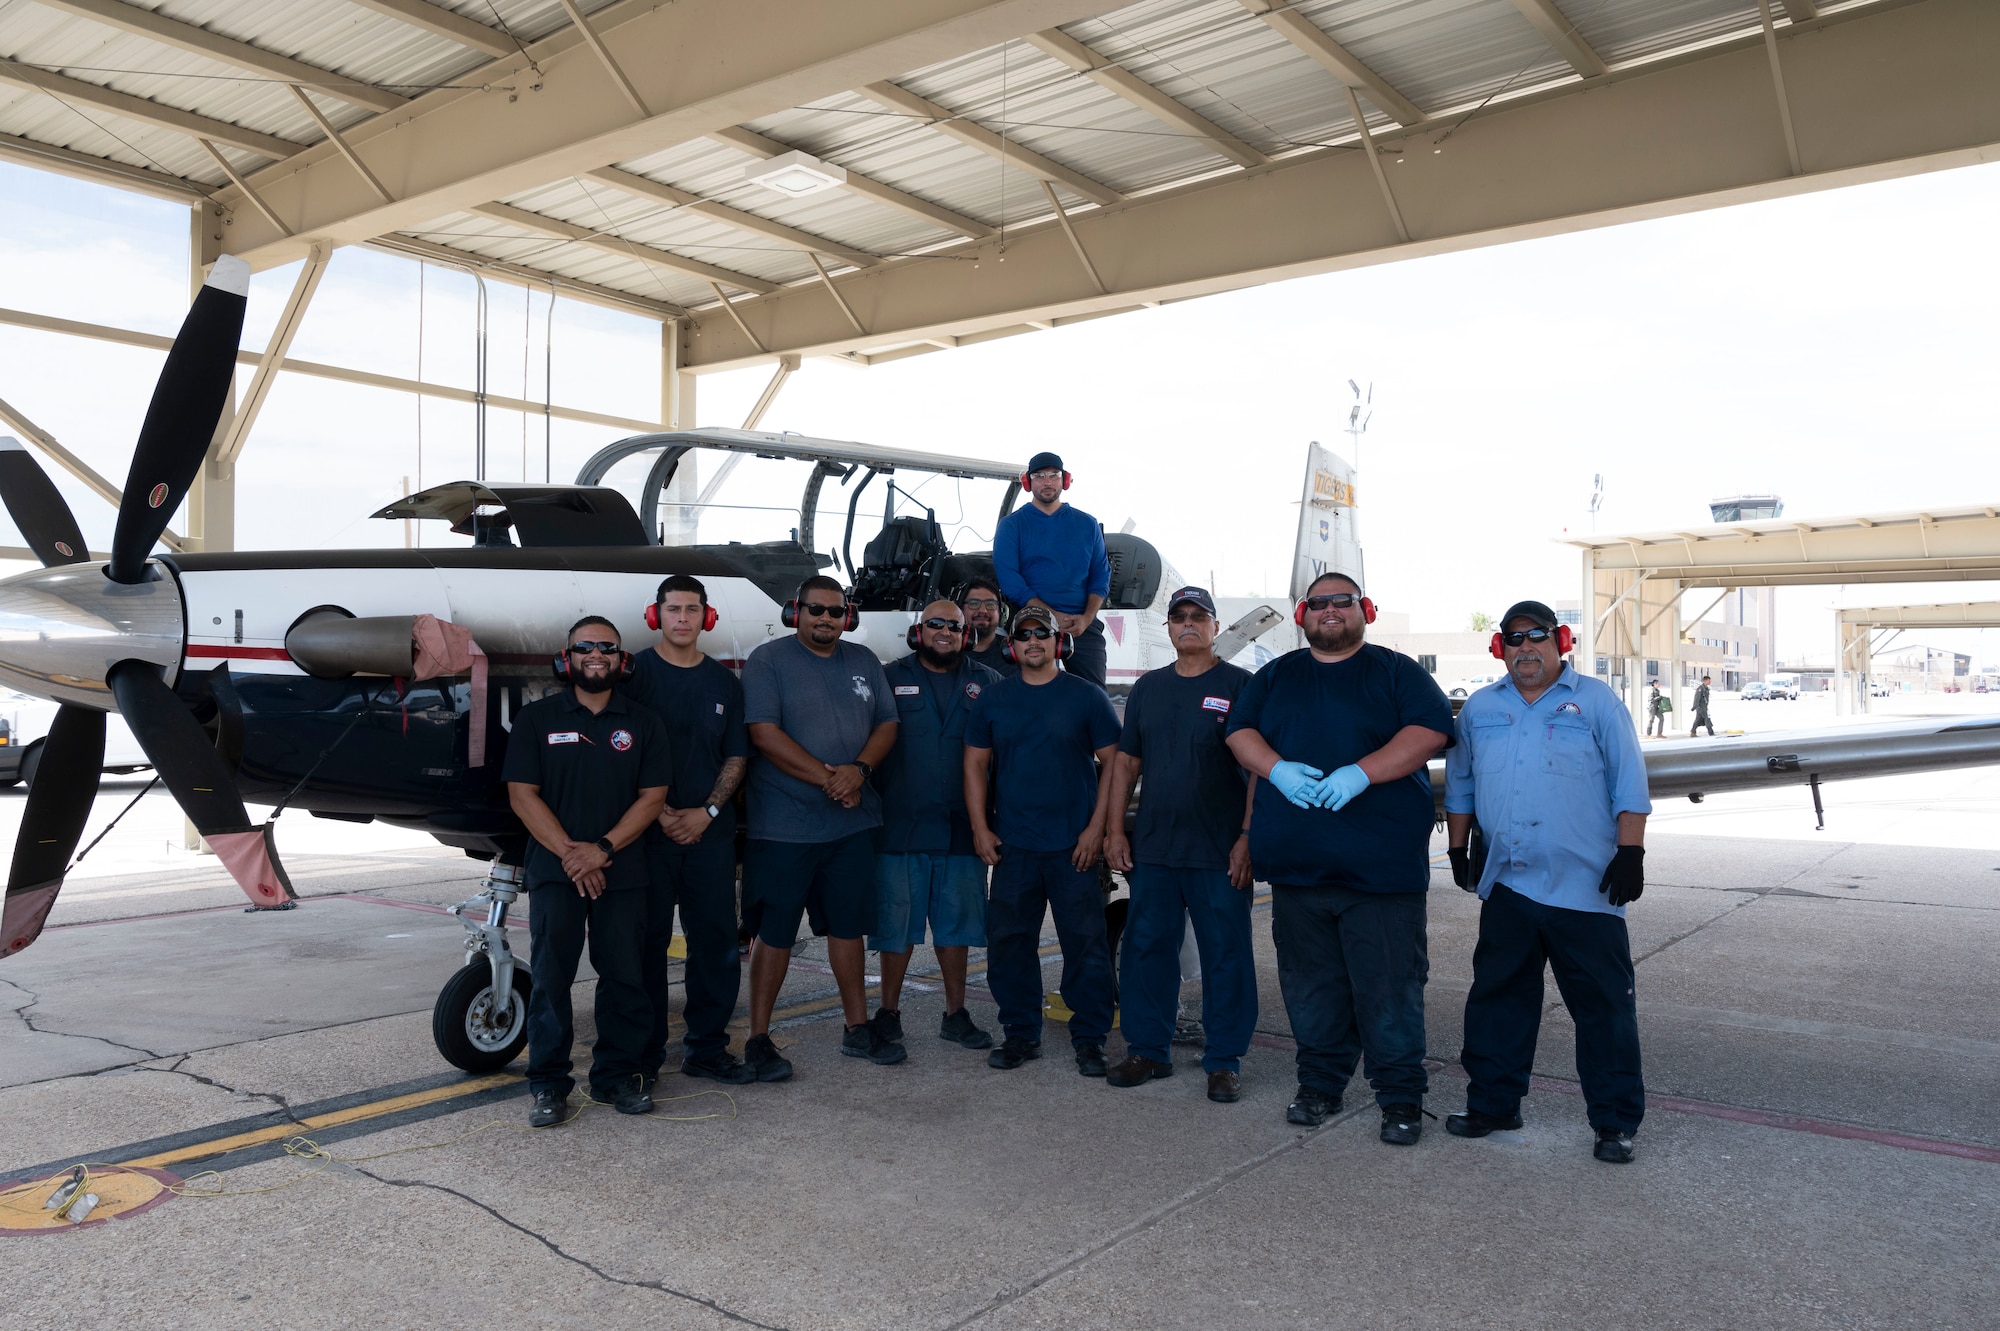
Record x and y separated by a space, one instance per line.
1342 786
1296 782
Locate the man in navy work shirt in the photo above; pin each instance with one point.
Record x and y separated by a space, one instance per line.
1051 555
821 717
1039 809
1547 762
1188 857
984 642
691 849
1339 732
925 866
587 774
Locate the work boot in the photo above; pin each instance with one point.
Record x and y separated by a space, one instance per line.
1311 1107
1090 1060
1614 1146
959 1028
764 1060
718 1065
888 1024
1472 1123
1224 1087
551 1110
1013 1052
633 1096
864 1041
1402 1124
1137 1070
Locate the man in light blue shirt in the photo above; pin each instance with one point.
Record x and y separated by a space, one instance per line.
1547 762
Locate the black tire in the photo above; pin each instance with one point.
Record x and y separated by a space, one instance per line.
458 1026
31 762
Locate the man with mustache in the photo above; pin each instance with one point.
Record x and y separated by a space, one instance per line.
1338 733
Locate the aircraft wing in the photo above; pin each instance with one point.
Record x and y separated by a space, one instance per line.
1246 630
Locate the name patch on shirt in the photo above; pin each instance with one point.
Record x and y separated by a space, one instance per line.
1215 704
621 740
565 737
908 690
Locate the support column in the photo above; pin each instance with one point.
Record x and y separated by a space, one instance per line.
1635 673
1840 648
1586 646
211 500
680 523
1674 656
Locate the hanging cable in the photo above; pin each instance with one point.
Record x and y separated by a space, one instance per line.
548 382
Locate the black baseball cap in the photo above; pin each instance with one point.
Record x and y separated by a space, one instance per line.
1192 596
1044 462
1533 610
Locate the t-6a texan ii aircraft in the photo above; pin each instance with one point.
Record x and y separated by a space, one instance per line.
381 683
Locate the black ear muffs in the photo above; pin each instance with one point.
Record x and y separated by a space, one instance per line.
1367 612
1564 641
1029 485
789 616
708 617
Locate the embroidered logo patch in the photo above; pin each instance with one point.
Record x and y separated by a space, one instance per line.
1570 709
1216 704
861 689
718 709
621 740
972 688
565 737
908 690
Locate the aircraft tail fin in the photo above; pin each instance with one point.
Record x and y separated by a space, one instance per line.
1327 539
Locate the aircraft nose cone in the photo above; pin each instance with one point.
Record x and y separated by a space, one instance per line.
63 628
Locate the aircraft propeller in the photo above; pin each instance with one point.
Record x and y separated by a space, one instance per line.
180 423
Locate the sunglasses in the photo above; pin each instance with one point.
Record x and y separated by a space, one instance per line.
1023 634
1527 635
809 608
945 625
1333 600
586 648
1188 617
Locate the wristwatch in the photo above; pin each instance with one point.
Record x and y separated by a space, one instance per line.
713 812
604 844
866 770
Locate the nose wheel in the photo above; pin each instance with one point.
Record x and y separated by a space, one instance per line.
475 1029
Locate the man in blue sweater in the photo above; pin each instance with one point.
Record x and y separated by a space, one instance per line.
1052 555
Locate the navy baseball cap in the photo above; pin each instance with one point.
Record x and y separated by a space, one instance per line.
1531 610
1192 596
1044 462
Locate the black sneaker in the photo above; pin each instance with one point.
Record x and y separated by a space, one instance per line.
1402 1124
864 1041
1614 1146
959 1028
888 1024
765 1063
718 1065
1013 1052
634 1097
550 1111
1311 1107
1090 1061
1472 1123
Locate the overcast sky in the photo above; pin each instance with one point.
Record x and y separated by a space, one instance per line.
1837 349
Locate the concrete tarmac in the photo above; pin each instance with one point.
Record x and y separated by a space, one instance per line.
1822 1147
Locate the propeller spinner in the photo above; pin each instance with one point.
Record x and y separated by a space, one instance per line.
100 636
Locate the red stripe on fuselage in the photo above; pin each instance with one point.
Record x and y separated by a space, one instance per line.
239 653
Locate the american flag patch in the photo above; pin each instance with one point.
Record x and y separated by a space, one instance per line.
1216 704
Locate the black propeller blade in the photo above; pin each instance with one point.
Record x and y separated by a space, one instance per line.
180 423
58 804
37 507
193 772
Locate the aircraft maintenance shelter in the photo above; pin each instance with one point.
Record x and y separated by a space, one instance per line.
772 181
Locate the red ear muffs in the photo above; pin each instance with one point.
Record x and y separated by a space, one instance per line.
1027 484
914 635
1065 648
1564 641
1367 612
708 617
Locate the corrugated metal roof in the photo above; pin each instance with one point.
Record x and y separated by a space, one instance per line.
1213 56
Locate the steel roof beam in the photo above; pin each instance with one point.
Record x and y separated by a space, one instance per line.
624 249
757 145
99 170
442 22
1888 92
144 111
187 37
790 237
1560 33
1335 59
699 65
514 274
955 126
1059 45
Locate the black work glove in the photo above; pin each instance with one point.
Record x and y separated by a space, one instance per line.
1461 867
1625 877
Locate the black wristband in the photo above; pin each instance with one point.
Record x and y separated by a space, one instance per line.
604 844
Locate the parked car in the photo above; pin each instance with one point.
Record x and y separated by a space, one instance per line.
25 722
1470 685
1757 691
1880 690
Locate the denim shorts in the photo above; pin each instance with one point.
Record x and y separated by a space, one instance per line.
947 890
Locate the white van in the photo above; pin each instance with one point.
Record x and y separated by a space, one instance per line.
24 724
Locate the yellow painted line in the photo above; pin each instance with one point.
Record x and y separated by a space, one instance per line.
355 1114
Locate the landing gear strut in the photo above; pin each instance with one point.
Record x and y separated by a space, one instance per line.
480 1022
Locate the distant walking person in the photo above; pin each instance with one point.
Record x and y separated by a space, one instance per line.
1052 555
1657 708
1701 711
1545 761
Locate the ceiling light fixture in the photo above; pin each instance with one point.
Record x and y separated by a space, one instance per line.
796 174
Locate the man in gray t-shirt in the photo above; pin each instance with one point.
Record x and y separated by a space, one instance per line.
821 717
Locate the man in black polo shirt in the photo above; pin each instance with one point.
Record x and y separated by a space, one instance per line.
984 642
1038 807
925 867
587 774
691 850
1188 858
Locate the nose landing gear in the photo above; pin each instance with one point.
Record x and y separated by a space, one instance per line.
480 1022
